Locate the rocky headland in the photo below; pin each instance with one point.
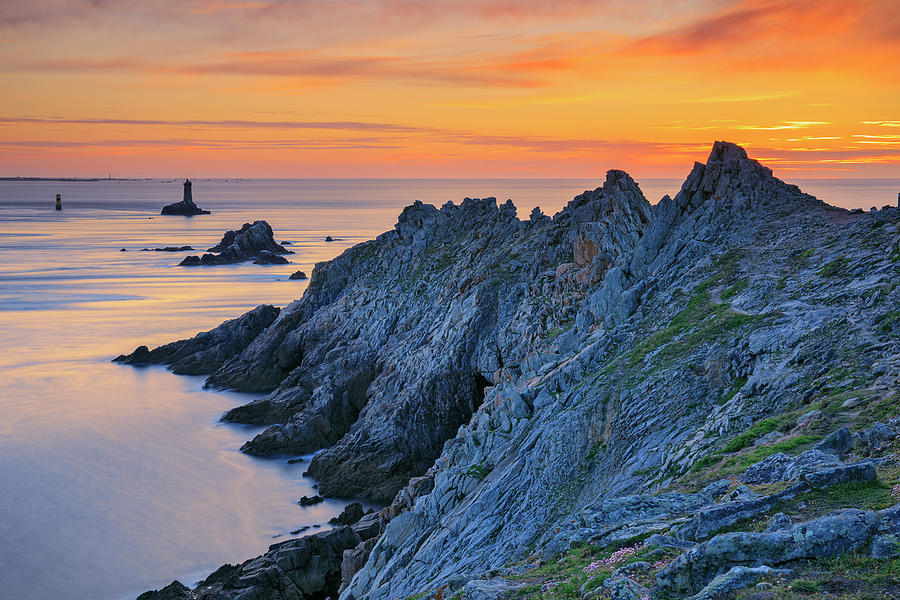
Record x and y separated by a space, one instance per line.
694 399
253 241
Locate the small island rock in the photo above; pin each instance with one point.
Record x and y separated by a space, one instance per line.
297 275
186 207
253 241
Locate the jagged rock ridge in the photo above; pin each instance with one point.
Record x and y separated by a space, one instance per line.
565 360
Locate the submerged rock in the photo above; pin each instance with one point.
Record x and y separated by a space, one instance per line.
168 249
186 207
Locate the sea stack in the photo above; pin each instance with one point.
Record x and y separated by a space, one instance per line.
186 207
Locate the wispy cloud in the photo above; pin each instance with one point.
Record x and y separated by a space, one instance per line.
226 124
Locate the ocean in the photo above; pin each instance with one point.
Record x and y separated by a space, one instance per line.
115 480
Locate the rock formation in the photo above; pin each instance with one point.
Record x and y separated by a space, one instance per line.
519 386
253 241
186 207
207 351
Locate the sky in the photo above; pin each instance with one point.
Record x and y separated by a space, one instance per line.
451 88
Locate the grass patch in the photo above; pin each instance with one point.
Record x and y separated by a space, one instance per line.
834 268
740 462
736 289
763 427
478 471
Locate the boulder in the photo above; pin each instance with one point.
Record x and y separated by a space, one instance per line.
735 579
780 467
837 442
298 275
487 589
351 514
310 500
838 533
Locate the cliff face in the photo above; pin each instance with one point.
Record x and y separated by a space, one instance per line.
393 345
536 368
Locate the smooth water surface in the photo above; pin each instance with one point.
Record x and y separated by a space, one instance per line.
114 479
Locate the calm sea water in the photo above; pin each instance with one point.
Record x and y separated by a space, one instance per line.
113 479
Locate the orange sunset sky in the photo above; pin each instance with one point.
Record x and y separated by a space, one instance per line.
402 88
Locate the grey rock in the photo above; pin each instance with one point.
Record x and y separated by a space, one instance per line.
885 547
735 579
298 275
310 500
741 494
623 588
780 467
351 514
854 472
253 241
640 566
838 533
174 591
779 521
168 249
209 350
370 525
876 436
268 258
307 567
486 589
837 442
665 541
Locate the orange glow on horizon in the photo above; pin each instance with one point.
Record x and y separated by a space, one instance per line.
464 88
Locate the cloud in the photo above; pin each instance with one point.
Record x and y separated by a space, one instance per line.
226 124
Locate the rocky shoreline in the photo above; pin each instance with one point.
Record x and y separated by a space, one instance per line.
534 393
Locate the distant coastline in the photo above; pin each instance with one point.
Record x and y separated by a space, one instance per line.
74 179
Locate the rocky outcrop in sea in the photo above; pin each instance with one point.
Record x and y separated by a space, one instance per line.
253 241
185 208
621 390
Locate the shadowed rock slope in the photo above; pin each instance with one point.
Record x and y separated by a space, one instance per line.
533 369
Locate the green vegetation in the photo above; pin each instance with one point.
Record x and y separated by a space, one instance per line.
586 565
554 333
834 268
889 323
847 577
700 321
479 471
595 450
740 462
760 429
733 389
736 289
